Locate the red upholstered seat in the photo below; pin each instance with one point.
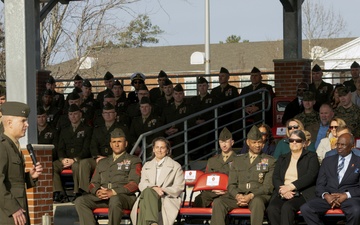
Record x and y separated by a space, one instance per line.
240 212
206 182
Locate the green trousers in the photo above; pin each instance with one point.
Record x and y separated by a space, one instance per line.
149 207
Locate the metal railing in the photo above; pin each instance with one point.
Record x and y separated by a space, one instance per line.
240 122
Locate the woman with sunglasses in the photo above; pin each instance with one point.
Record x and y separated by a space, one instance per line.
329 142
283 146
294 180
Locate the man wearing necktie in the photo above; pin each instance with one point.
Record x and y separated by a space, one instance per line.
337 186
250 182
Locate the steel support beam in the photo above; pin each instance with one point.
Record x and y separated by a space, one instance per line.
21 56
292 28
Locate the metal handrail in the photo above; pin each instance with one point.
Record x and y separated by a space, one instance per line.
266 105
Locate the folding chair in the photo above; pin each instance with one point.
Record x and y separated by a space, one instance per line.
67 182
206 182
190 176
103 213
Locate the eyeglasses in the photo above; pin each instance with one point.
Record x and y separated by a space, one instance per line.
263 133
138 82
295 140
293 127
333 127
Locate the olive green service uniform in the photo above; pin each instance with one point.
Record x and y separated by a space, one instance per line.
215 164
99 146
123 177
245 178
74 145
49 136
13 178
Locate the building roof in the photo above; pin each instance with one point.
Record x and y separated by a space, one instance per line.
236 57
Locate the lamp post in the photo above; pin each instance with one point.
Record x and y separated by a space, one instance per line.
207 37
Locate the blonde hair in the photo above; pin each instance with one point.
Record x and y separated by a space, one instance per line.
339 121
301 125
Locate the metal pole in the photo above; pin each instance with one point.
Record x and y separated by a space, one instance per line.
207 37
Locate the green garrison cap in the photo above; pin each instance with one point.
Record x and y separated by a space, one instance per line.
15 109
254 133
255 70
162 74
224 70
316 68
355 65
117 132
225 135
178 88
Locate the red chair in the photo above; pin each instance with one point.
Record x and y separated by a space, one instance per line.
67 182
103 213
206 182
191 176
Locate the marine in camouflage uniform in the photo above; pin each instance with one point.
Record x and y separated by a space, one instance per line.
219 163
348 111
309 116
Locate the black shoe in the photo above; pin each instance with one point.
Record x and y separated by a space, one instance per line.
57 197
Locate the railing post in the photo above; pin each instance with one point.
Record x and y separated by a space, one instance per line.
186 150
216 128
243 115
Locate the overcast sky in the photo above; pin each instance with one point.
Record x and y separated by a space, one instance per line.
255 20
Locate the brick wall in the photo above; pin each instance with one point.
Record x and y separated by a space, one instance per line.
40 198
289 73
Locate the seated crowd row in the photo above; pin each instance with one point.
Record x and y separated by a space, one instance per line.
274 188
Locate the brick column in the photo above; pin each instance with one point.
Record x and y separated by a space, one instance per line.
289 73
40 198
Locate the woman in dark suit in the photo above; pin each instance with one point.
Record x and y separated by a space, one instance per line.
294 181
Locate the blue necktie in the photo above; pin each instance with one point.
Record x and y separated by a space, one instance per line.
340 166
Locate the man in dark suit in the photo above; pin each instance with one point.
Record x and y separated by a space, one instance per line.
250 182
337 186
13 178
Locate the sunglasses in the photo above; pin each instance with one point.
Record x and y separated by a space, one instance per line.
138 82
333 127
263 133
295 140
293 127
